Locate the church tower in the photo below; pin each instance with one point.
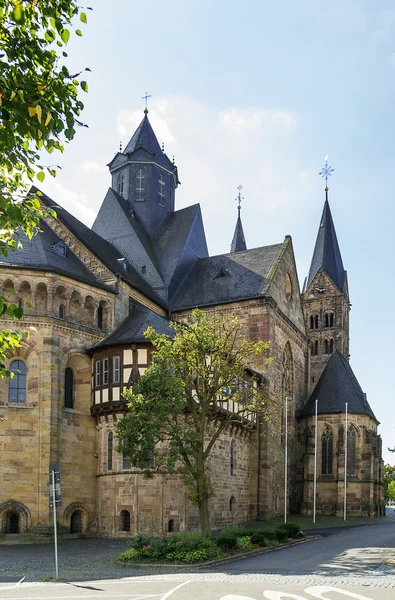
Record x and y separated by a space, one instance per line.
145 177
325 297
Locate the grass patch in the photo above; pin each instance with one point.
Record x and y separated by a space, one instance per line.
192 548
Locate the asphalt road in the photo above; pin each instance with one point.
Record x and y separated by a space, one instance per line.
348 564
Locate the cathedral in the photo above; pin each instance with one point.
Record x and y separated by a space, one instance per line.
88 296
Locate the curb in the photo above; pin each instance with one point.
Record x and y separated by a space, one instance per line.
227 559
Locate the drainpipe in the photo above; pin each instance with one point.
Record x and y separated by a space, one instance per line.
258 501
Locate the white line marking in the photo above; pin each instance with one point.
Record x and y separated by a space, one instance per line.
317 592
171 592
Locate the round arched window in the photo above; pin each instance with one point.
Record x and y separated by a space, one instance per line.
232 505
288 287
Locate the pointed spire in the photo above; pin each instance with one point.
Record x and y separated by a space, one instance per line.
327 252
238 243
144 137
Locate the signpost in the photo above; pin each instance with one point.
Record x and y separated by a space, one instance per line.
55 499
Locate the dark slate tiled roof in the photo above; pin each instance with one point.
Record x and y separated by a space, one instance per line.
131 330
238 243
144 137
115 222
101 248
336 386
227 278
327 252
40 253
172 239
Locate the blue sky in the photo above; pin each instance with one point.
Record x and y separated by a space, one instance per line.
257 93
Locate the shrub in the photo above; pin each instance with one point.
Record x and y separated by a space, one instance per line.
243 541
259 538
227 542
270 535
291 528
281 535
139 541
193 556
130 554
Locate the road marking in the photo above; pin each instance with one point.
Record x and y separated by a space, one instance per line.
171 592
270 595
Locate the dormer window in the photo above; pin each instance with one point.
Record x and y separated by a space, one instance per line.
143 270
61 249
120 184
161 190
140 186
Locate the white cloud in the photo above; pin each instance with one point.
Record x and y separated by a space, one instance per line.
74 203
94 167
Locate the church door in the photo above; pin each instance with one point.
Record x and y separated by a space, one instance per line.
76 522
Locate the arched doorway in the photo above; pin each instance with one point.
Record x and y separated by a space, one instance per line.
76 522
11 524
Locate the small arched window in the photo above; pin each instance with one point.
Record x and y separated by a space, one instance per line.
329 346
351 451
328 320
232 458
109 451
124 520
17 385
313 321
61 311
120 184
69 388
100 317
314 348
327 451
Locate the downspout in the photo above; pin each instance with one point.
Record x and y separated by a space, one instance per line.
258 501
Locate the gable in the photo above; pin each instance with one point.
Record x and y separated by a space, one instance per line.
283 284
322 284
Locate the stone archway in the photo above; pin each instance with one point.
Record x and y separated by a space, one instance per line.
77 518
14 518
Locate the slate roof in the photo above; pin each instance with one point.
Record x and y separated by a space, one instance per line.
238 243
131 330
327 252
227 277
40 253
336 386
144 137
101 248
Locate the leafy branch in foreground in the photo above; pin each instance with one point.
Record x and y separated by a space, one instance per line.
39 111
197 386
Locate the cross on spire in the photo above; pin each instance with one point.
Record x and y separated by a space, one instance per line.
147 95
239 198
326 172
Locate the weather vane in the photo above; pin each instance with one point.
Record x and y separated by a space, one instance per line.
326 172
239 198
147 95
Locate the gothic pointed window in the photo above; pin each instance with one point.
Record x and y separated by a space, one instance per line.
109 451
351 451
140 186
161 190
327 451
120 184
69 388
17 385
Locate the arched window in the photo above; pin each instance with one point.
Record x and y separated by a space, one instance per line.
124 520
328 320
17 385
314 348
313 321
329 346
69 388
100 317
76 522
109 451
351 451
61 311
327 451
120 184
170 526
232 458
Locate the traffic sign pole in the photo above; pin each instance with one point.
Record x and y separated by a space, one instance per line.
54 524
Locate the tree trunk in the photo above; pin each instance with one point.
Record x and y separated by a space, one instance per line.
204 514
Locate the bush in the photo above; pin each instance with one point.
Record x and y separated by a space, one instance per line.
139 541
281 535
181 547
291 528
243 542
259 538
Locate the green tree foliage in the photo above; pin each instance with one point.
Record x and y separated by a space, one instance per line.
39 111
196 387
389 476
391 490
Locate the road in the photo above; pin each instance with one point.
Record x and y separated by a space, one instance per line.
347 564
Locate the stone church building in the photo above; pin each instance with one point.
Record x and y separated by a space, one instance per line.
90 294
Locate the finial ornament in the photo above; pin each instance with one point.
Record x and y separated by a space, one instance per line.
147 95
239 198
120 146
326 172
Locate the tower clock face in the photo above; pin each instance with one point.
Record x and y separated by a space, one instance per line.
319 290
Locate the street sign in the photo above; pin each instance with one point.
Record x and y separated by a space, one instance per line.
54 468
